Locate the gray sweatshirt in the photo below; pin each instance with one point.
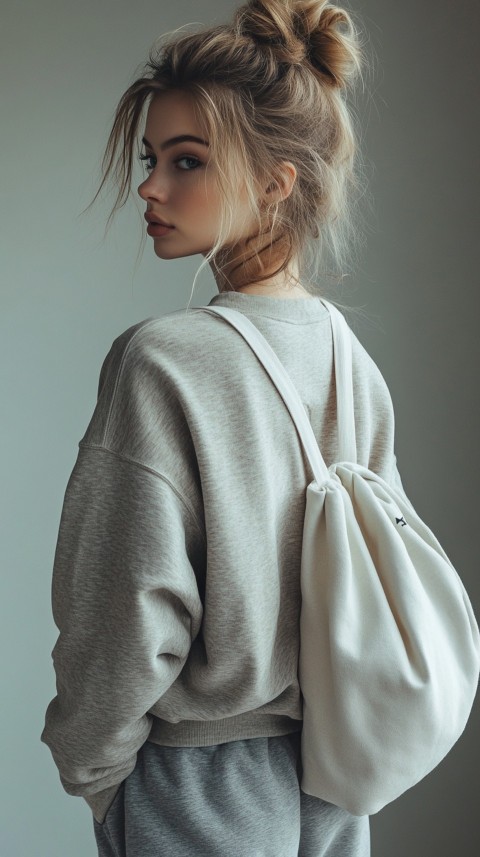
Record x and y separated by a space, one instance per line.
176 587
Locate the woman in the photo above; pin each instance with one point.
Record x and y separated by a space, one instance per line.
176 580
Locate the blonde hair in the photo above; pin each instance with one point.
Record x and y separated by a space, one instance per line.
269 87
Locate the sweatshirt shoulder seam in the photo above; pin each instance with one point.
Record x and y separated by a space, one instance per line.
136 333
157 473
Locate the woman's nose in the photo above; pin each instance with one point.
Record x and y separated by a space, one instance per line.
151 187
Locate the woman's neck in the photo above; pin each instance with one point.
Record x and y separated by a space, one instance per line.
237 268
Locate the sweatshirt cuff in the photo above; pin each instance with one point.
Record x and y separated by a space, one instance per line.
100 802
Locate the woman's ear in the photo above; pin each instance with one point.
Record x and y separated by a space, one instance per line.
284 186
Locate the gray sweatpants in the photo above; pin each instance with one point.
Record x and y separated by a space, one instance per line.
240 799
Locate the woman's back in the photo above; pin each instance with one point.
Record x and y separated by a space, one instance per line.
192 435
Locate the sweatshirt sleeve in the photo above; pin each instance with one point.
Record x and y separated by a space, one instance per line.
375 419
126 603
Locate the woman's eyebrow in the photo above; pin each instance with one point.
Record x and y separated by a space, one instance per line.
183 138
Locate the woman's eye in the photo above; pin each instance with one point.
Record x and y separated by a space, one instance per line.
146 158
196 162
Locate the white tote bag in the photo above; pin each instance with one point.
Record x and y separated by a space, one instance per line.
389 644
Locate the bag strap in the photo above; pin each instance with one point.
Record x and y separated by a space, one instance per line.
342 348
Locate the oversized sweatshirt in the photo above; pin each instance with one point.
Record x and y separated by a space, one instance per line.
176 578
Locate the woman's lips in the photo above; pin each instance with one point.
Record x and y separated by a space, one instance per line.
156 230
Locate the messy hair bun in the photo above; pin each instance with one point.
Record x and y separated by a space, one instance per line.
269 87
307 31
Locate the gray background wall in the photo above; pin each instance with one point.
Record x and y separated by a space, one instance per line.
66 294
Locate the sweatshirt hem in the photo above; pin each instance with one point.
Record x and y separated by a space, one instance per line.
198 733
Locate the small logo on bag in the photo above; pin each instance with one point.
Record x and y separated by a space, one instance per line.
401 521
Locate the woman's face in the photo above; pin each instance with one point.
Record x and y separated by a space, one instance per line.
181 184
